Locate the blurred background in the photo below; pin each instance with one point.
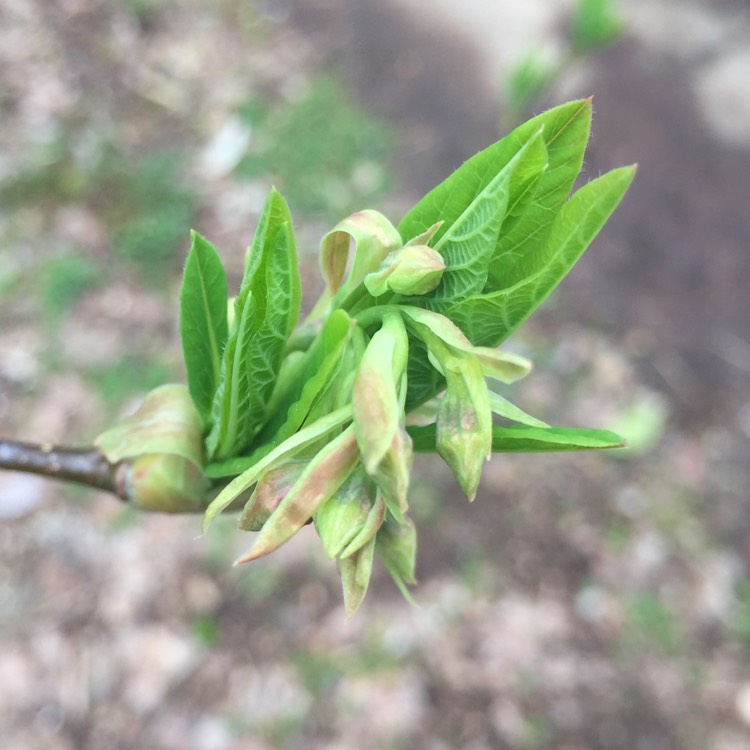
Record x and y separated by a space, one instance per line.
583 602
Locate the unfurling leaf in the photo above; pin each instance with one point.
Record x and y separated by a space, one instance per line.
373 236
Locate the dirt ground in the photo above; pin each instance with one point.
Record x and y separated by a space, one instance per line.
583 602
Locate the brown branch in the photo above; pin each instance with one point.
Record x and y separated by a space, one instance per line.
85 466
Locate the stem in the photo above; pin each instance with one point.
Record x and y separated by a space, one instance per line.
85 466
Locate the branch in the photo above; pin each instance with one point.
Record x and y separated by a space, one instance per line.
86 466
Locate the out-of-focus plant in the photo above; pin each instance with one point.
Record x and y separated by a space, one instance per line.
593 25
317 421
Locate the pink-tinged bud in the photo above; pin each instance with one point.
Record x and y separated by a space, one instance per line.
378 413
268 494
343 516
160 452
464 423
355 573
393 473
165 483
415 269
322 477
396 546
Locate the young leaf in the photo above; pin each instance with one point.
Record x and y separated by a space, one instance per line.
566 133
266 311
522 439
450 198
203 322
488 319
374 237
468 244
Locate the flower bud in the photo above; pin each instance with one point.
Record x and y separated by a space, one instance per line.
355 573
342 517
396 545
321 478
464 423
268 494
415 269
378 413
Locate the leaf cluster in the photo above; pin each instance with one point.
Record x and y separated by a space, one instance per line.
319 421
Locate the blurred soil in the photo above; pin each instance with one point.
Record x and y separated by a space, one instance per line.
583 602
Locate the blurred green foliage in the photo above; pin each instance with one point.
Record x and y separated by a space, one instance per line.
327 155
62 280
739 625
146 205
650 625
142 199
593 25
129 375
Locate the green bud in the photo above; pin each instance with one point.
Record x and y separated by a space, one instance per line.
355 573
160 452
396 545
322 477
348 512
464 422
268 494
415 269
378 412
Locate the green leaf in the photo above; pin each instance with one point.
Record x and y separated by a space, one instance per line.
566 132
449 199
468 244
488 319
522 439
203 322
266 311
